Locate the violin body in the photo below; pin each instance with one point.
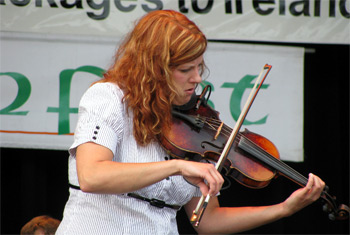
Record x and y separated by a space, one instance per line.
197 134
246 169
206 144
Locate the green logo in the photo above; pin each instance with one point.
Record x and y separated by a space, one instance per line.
64 109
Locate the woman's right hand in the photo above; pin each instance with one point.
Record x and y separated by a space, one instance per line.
203 175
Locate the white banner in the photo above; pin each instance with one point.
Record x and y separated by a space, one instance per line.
308 21
43 78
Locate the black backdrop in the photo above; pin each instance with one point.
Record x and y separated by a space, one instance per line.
34 182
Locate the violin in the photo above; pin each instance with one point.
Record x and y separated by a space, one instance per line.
253 160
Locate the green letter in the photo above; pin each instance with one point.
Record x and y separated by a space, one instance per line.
65 83
236 97
24 89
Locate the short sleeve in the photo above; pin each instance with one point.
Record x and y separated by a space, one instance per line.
100 117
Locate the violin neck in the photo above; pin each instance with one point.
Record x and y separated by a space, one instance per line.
272 162
334 211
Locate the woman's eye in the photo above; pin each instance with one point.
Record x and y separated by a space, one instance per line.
185 70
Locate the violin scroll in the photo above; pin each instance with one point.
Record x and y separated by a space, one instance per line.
342 212
335 212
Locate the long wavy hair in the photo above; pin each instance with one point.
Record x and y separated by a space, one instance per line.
159 42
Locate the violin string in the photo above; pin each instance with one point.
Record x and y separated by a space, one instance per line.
274 160
216 123
276 163
279 165
289 172
212 124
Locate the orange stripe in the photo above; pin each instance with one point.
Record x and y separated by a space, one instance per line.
33 132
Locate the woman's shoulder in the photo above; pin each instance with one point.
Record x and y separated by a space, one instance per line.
107 88
102 94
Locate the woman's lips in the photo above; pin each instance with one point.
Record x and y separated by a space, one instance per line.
189 91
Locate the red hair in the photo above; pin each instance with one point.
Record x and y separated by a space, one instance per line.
159 42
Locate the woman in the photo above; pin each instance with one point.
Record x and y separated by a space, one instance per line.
116 165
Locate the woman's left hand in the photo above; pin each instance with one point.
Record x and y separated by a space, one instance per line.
304 196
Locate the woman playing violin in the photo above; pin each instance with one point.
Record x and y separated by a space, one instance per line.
122 181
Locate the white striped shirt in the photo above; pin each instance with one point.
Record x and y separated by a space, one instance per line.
103 119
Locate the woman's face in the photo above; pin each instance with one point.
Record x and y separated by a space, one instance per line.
186 77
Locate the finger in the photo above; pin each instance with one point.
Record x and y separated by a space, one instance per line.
215 182
317 187
310 181
203 188
211 183
319 183
219 180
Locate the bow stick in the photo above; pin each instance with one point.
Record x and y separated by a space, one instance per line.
204 200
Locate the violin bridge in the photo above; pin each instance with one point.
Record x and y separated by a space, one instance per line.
218 131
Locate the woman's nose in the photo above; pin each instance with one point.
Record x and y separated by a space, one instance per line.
197 78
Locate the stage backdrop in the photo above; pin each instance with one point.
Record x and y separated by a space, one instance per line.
44 76
308 21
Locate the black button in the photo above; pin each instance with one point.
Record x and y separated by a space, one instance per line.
97 127
95 132
94 138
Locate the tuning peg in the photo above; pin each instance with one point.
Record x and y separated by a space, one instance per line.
325 208
326 188
331 216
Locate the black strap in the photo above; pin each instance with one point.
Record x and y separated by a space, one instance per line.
74 186
154 202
